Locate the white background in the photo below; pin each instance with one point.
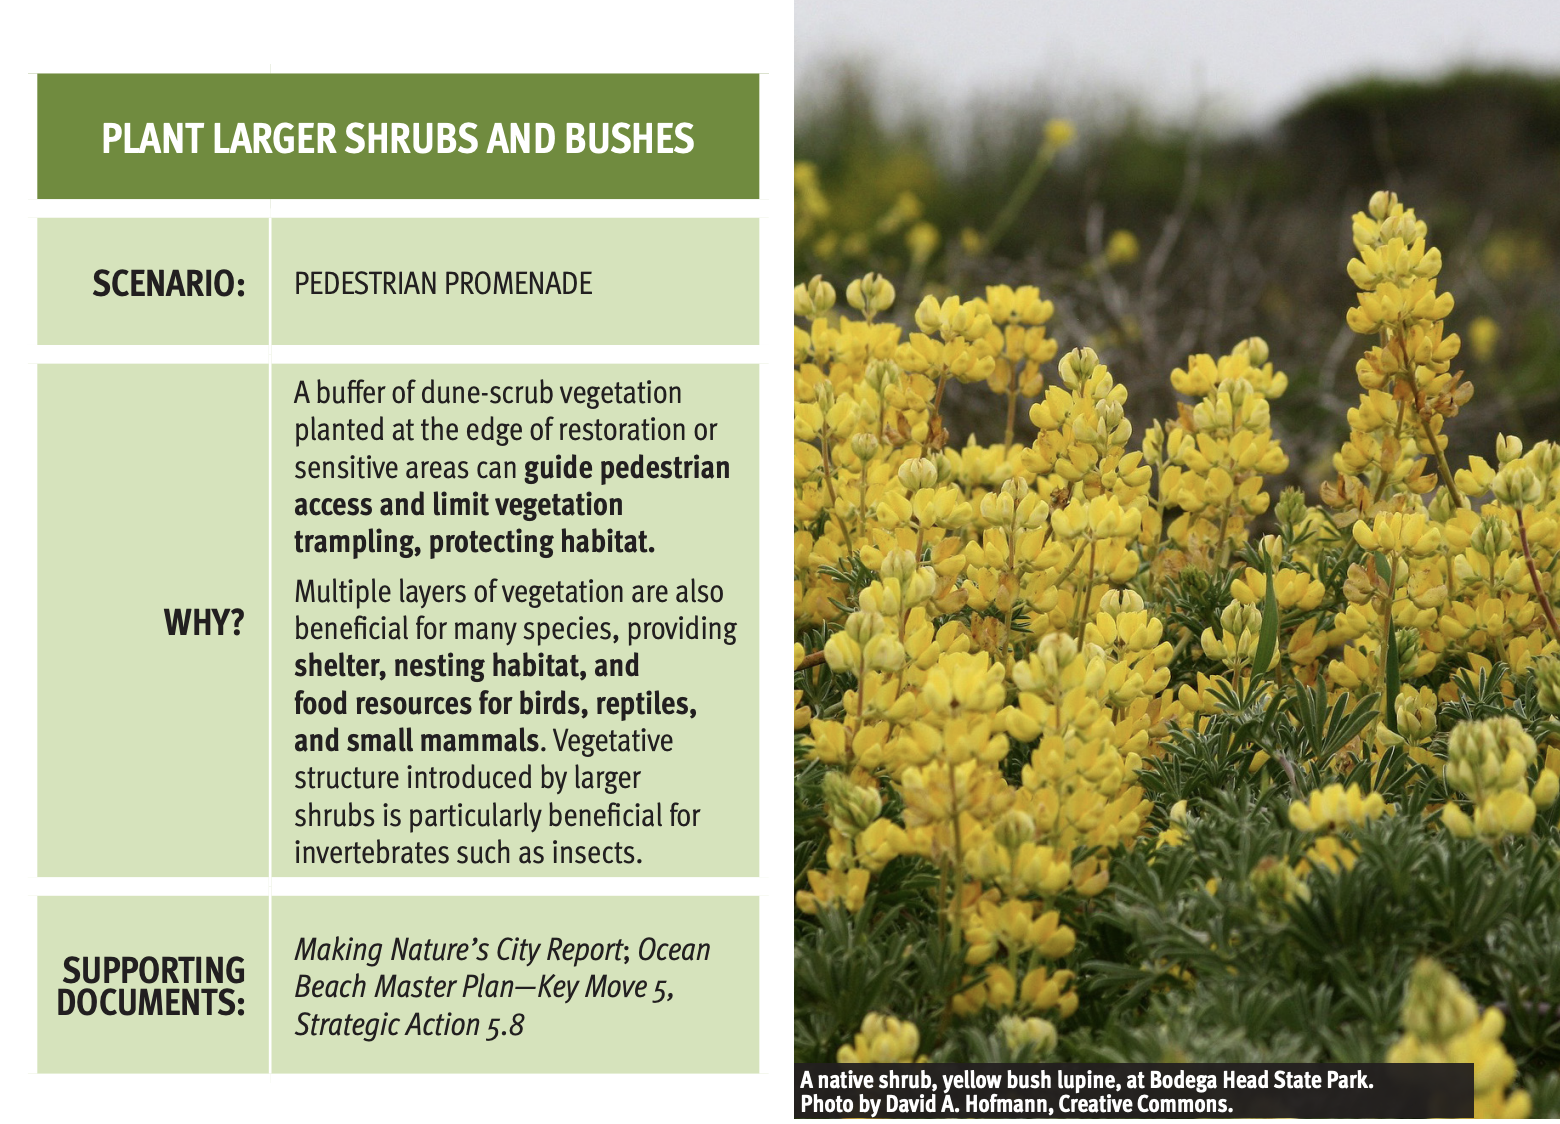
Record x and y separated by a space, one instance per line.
667 35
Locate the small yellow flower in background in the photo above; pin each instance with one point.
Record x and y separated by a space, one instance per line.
906 209
810 206
922 241
1059 133
1121 248
1483 337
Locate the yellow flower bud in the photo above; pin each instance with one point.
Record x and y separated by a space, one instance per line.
1516 485
918 474
864 445
850 807
870 293
814 298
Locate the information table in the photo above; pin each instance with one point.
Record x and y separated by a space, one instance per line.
357 596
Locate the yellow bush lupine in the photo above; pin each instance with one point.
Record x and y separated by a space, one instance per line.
1007 676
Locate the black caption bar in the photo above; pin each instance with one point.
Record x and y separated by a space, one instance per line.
1200 1090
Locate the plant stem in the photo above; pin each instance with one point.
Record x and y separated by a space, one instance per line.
1012 568
958 856
1538 589
1397 439
1088 593
1218 548
1444 469
828 481
861 506
1021 193
1071 566
937 423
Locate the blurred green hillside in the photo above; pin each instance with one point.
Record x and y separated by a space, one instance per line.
1226 236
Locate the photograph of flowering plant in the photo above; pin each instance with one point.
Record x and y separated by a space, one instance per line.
1176 548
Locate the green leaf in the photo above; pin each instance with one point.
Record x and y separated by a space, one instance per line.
1267 640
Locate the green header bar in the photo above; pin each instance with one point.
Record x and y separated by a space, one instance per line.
394 136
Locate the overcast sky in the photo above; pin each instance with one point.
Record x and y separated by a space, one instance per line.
1246 61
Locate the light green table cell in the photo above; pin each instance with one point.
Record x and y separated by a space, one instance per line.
515 985
460 693
140 281
516 281
151 509
152 985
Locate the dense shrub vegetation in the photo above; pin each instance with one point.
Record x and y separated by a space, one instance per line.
1109 748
